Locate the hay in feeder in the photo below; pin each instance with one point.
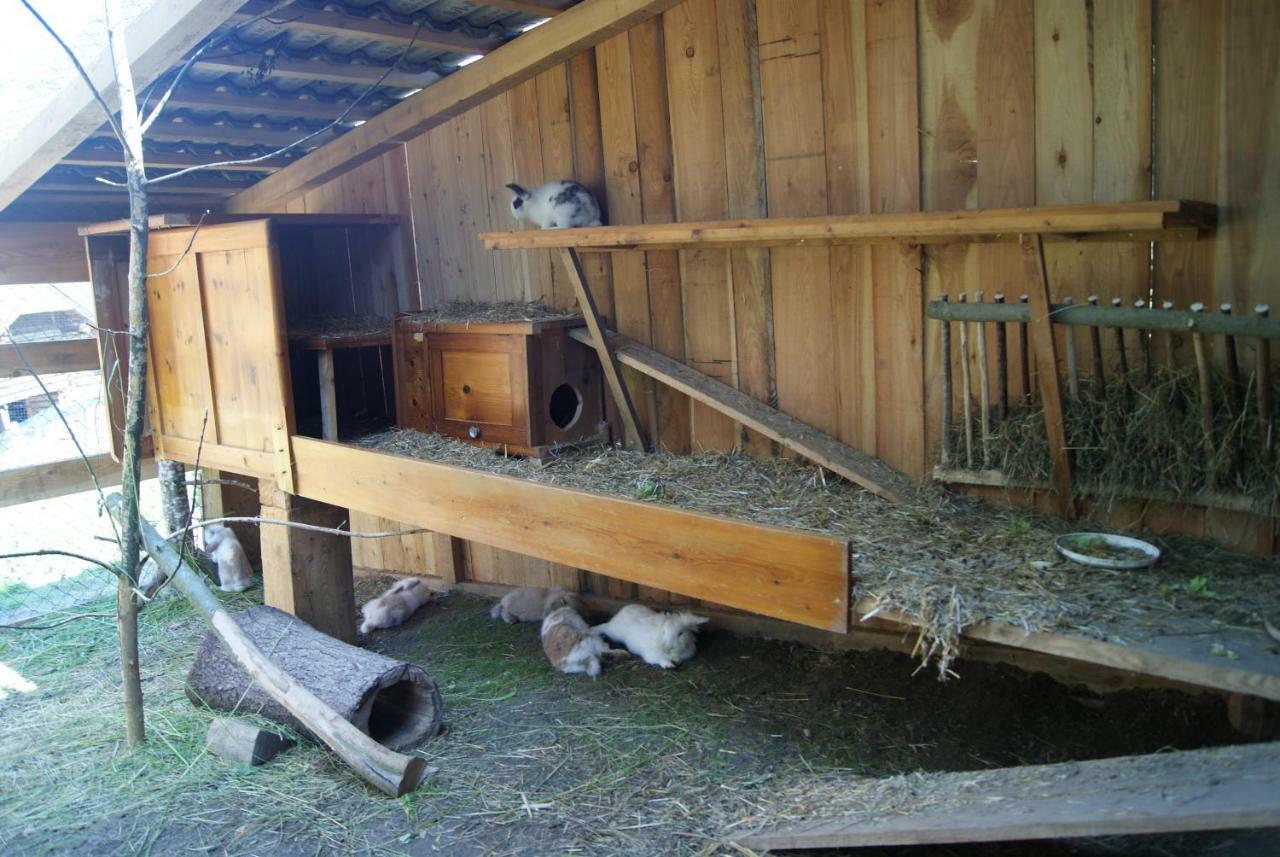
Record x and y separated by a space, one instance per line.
1146 439
944 561
475 312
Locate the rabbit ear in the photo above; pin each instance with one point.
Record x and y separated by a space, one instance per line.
688 620
517 190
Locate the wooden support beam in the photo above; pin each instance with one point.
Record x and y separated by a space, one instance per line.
48 358
788 574
171 130
600 342
1050 385
820 448
333 72
321 22
328 395
41 253
266 103
1126 221
580 27
307 573
90 155
155 42
58 478
545 8
88 186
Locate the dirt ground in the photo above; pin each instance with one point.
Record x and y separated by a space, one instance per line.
639 762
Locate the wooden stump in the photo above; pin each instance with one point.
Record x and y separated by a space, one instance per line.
392 702
239 741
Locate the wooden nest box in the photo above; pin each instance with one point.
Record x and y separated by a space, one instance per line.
521 386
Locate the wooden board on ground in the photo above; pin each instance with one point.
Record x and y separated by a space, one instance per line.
1218 789
821 448
788 574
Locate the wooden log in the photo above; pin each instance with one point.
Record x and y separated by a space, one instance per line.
947 417
984 389
1073 365
1095 343
1206 390
386 770
394 703
1235 389
966 390
240 741
1002 366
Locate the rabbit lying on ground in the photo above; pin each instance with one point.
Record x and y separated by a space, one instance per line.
570 644
533 605
394 606
661 639
555 205
234 572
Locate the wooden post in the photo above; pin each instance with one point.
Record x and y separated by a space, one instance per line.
328 395
946 392
984 389
1041 329
966 389
612 372
1073 365
307 573
1002 367
450 555
1095 343
1206 396
1234 386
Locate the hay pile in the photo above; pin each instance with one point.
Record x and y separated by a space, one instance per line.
945 562
1144 439
330 327
474 312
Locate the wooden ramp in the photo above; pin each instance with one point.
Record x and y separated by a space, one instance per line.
1224 788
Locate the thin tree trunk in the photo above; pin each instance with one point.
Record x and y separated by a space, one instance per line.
126 603
173 494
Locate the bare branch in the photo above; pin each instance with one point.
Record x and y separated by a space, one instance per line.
88 81
167 271
299 526
296 143
52 552
53 403
233 482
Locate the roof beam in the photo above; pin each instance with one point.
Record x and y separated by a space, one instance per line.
267 105
54 200
545 8
156 42
583 26
335 72
167 130
325 23
92 187
94 156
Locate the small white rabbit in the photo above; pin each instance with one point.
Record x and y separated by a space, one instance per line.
555 205
661 639
394 606
533 605
149 578
571 645
234 572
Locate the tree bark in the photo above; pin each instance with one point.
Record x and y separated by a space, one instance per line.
173 494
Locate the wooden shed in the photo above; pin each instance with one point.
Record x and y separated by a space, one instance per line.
845 232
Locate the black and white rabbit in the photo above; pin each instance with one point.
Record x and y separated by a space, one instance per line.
555 205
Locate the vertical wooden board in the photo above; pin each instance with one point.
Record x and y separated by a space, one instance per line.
796 175
589 168
697 137
1248 253
179 359
510 275
472 216
1188 40
493 565
556 132
657 195
1121 150
522 102
395 177
426 199
366 553
844 89
949 170
893 122
744 163
622 190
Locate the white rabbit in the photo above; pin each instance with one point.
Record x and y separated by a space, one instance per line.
571 645
555 205
234 573
149 578
661 639
394 606
532 605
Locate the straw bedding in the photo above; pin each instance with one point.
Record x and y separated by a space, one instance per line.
946 562
462 312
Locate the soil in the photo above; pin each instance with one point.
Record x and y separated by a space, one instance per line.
640 761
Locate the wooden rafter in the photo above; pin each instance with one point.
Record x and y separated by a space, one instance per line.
334 72
167 188
580 27
156 42
233 135
267 104
545 8
97 156
326 23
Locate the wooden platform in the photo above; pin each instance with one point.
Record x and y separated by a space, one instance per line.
1218 789
1128 221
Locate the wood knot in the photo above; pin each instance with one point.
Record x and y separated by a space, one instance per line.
634 166
1056 35
689 52
1062 157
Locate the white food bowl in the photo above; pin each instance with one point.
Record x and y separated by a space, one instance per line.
1150 552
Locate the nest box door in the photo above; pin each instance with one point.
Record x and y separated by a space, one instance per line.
480 386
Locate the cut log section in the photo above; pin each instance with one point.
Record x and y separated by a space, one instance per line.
238 741
394 703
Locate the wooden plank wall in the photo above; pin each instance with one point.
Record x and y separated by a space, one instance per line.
743 108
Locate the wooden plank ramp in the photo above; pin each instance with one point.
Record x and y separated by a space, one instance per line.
1217 789
817 446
